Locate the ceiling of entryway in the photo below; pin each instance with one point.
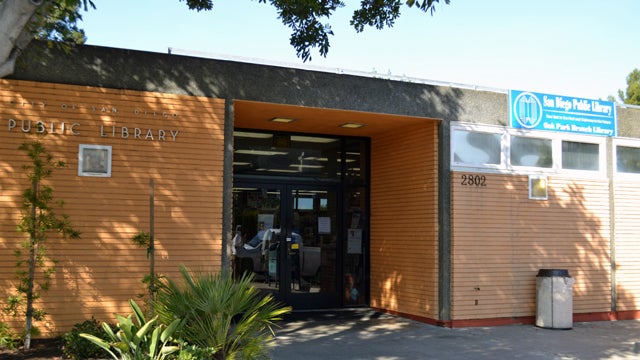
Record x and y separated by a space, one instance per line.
258 115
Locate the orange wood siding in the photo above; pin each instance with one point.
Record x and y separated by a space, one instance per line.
627 240
404 220
500 239
97 274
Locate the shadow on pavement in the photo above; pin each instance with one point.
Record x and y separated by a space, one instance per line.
367 334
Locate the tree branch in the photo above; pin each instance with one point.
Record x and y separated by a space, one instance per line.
14 34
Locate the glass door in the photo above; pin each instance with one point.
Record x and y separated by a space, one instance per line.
311 242
287 239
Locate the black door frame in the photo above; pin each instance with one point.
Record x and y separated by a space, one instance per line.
285 187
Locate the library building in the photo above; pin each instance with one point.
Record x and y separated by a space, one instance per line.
438 202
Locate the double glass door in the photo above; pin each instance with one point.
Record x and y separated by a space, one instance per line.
290 241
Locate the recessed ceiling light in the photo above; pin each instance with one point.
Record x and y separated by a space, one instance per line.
282 120
260 152
312 139
352 125
254 135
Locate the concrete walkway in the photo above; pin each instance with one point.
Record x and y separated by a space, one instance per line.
366 334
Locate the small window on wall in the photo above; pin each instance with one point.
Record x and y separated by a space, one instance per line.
628 159
580 156
527 151
94 160
538 187
476 148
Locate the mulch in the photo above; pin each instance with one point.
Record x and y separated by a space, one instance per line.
41 349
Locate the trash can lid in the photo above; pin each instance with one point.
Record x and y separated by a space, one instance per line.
553 272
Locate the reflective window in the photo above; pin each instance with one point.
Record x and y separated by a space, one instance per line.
531 152
259 153
580 156
476 148
628 159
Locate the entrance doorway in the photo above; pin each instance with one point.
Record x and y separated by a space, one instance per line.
303 238
293 252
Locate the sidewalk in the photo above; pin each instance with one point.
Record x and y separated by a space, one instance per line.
366 334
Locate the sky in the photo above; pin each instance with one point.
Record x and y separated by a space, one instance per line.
576 48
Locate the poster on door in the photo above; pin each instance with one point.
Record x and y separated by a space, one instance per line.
324 225
354 241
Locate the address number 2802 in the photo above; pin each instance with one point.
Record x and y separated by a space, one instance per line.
473 180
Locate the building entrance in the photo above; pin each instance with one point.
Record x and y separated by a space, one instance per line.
302 237
293 252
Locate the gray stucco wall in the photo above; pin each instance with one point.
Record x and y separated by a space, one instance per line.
139 70
628 121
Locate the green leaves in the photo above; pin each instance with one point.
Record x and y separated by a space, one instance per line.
632 93
376 13
137 338
309 19
227 316
38 219
199 5
304 18
57 21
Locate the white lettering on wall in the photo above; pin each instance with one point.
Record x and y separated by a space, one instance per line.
136 133
67 128
41 127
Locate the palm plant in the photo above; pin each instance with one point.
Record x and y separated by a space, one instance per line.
229 317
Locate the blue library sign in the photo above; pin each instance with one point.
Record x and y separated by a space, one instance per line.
536 111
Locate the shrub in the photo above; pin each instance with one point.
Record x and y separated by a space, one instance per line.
230 318
77 347
138 338
8 339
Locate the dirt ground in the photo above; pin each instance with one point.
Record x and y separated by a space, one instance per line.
41 349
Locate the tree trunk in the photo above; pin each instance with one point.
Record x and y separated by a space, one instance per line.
152 259
14 17
33 243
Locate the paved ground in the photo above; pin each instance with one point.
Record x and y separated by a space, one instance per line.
366 334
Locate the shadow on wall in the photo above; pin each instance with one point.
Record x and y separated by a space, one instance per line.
583 228
501 239
118 207
158 72
98 273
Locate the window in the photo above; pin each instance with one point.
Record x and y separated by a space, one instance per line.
476 148
538 188
628 159
258 153
580 156
500 149
94 160
525 151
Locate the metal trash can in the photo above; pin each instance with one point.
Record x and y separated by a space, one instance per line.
554 299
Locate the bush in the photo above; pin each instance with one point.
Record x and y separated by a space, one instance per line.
8 339
228 318
77 347
138 338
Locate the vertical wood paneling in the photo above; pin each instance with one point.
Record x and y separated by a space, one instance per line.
501 239
97 274
404 220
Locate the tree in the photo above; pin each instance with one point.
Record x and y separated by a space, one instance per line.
56 20
632 95
24 20
38 219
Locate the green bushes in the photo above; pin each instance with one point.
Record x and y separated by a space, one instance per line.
219 313
137 338
77 347
8 339
204 316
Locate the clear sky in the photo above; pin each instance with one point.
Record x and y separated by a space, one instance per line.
579 48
